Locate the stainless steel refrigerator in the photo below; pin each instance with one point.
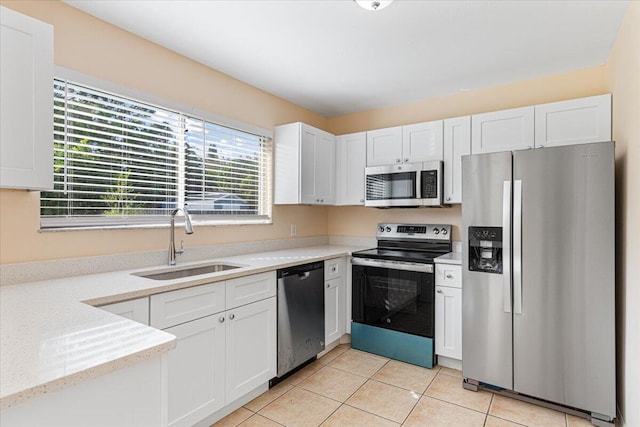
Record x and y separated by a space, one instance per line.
538 297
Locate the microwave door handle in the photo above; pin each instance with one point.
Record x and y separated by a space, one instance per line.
418 185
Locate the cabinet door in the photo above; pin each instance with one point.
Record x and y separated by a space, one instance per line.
333 305
351 159
317 157
457 143
26 102
251 347
576 121
197 370
135 309
502 130
449 322
422 142
324 168
384 146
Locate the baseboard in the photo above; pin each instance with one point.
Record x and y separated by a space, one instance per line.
448 362
239 402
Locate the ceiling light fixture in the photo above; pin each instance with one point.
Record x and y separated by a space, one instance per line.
373 4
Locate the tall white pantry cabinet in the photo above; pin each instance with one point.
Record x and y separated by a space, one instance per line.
26 102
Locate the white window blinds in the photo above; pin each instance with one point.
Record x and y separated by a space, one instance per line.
122 162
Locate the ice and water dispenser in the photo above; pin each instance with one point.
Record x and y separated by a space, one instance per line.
485 249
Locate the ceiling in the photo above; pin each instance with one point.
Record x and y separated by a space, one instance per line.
334 58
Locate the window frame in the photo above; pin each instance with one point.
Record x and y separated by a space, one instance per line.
53 224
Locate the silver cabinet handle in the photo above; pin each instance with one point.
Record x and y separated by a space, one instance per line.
321 200
221 320
506 246
448 198
439 291
397 160
541 146
449 276
232 316
328 286
517 247
361 200
406 159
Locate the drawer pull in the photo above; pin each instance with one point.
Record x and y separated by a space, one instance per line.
439 291
221 320
232 316
449 276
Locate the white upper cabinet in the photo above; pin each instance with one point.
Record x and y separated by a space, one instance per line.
26 102
576 121
502 130
416 143
351 159
384 146
304 165
422 142
457 143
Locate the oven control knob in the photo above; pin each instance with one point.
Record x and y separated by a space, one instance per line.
388 229
381 229
436 231
444 231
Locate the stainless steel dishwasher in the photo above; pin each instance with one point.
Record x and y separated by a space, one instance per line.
300 315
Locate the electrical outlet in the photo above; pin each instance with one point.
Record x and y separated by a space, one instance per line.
293 230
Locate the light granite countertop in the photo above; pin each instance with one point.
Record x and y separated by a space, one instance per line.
450 258
51 336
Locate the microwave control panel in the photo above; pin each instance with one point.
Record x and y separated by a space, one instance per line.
430 184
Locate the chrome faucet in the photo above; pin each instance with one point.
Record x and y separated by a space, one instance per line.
187 229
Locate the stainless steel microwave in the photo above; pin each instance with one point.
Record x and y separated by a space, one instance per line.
404 185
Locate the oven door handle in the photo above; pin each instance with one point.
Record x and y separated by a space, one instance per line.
393 265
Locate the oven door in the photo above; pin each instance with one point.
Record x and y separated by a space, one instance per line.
393 295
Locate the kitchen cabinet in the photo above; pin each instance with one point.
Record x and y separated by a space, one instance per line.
304 165
502 130
415 143
448 311
26 102
135 309
575 121
226 343
351 159
250 347
334 299
197 370
457 143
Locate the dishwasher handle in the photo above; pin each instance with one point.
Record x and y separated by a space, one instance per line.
302 271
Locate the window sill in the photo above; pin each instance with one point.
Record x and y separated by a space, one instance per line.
195 222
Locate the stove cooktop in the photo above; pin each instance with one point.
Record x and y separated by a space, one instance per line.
422 257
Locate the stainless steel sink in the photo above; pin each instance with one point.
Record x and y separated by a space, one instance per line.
187 271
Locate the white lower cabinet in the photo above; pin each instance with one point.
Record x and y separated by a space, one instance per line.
250 347
449 322
197 370
335 310
448 319
332 309
224 350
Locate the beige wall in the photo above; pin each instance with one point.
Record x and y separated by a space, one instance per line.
93 47
623 80
360 221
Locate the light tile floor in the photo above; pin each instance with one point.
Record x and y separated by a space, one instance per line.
351 388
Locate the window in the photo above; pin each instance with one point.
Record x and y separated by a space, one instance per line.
120 162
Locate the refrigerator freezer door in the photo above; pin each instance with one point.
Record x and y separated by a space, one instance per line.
486 317
564 341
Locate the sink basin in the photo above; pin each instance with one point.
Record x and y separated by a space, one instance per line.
187 271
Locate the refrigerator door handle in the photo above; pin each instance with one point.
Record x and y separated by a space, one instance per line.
506 246
517 247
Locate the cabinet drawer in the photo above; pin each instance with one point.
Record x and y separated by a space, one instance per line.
176 307
135 309
248 289
448 275
333 268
